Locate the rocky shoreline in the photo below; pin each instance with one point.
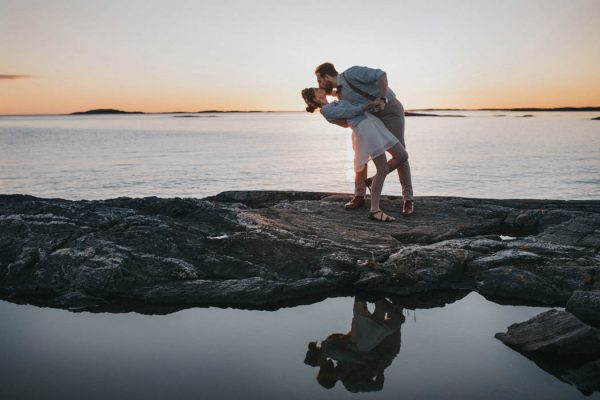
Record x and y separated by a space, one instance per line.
260 249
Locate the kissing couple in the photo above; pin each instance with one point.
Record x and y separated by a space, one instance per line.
366 104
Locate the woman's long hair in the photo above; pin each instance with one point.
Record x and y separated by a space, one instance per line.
309 96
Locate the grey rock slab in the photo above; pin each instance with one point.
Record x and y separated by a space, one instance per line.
553 332
515 283
560 344
585 305
267 246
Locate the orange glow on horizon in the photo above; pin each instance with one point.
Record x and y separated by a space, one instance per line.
30 96
57 57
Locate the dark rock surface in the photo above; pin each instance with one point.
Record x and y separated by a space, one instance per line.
585 305
560 344
255 249
553 332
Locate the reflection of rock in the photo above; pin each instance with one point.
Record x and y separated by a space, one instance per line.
560 344
585 305
596 119
261 249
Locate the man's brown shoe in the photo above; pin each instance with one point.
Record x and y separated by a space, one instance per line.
356 202
408 208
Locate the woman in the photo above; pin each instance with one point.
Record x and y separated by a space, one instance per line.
370 140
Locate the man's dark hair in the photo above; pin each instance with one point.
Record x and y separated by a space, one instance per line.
326 69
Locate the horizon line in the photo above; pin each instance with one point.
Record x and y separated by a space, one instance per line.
532 109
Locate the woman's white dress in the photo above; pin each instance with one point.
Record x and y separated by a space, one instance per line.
370 139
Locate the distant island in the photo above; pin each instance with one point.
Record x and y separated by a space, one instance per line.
196 116
544 109
411 113
233 111
105 111
101 111
514 109
414 114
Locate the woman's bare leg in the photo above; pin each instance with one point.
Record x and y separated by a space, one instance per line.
399 157
378 179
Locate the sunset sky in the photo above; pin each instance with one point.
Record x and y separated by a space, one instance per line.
63 56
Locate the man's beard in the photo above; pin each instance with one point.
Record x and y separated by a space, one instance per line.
329 87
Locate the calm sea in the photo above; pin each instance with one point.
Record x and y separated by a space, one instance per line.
485 154
210 353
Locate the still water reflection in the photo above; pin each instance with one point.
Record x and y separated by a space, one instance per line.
359 357
431 348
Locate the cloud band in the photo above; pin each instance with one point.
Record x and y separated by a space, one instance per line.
9 77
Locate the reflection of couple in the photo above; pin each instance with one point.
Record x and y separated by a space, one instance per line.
358 358
371 109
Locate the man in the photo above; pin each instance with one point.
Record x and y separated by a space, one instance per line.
360 85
